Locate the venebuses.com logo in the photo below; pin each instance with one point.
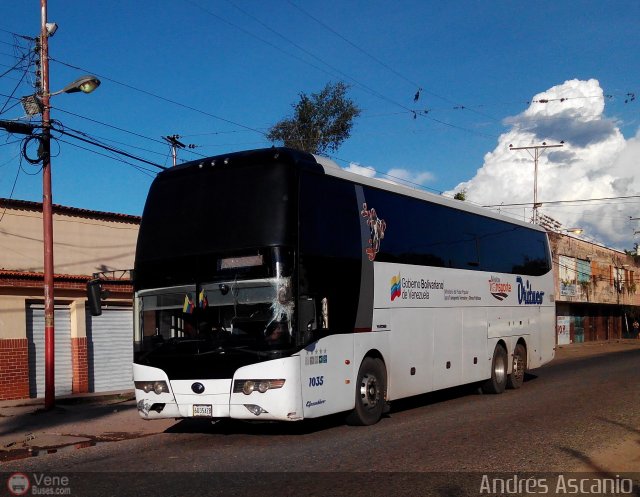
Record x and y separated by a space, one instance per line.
38 484
18 484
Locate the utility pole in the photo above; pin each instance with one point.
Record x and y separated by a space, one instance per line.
47 217
636 231
175 143
36 104
536 155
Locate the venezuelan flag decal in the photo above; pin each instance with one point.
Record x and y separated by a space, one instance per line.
395 287
202 300
188 306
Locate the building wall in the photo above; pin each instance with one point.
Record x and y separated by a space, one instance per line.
82 244
14 369
85 242
12 323
596 288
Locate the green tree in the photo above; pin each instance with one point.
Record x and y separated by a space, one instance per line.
635 253
320 122
461 195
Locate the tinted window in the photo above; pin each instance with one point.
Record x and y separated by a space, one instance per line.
330 247
218 209
329 217
419 232
193 216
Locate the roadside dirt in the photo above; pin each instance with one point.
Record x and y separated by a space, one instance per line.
622 455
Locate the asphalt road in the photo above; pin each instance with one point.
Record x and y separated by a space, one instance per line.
565 413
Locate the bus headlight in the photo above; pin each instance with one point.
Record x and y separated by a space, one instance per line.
152 386
247 387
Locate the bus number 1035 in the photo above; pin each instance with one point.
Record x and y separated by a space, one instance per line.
316 381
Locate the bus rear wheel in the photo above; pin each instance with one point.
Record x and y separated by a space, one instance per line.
498 380
370 393
516 378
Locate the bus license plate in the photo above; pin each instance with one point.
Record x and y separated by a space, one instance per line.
204 410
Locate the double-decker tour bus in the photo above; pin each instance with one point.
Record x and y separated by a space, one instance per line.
274 285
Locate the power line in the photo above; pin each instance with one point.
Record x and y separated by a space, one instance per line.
388 67
106 147
397 178
310 54
552 202
368 89
143 170
97 139
24 73
109 125
15 181
160 97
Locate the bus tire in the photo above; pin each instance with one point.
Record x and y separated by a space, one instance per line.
371 388
516 378
498 380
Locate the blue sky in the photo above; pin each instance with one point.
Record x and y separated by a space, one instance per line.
237 66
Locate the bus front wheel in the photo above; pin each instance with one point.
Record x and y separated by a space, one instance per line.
498 380
370 393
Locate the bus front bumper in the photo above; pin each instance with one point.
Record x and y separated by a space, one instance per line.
200 398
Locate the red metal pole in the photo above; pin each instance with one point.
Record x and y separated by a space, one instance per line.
47 220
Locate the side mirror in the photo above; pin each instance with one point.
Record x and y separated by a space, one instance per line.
306 315
94 296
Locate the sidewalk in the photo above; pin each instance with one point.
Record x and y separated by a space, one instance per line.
26 429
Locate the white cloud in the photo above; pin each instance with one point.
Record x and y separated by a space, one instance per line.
394 175
596 161
405 176
356 168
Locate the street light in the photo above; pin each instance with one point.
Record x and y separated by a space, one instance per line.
85 84
33 104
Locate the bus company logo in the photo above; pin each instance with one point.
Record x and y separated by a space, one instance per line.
527 295
396 283
18 484
498 289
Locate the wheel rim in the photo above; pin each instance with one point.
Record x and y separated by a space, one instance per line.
369 391
518 366
500 370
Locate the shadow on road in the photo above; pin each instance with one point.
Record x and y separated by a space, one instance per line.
255 428
443 396
308 426
629 428
598 470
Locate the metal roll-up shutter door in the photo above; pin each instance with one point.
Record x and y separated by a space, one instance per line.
62 354
110 350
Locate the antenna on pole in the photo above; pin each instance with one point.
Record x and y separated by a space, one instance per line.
175 143
536 155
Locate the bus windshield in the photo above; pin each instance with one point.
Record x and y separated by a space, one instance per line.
239 318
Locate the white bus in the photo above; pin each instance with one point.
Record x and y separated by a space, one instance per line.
273 285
